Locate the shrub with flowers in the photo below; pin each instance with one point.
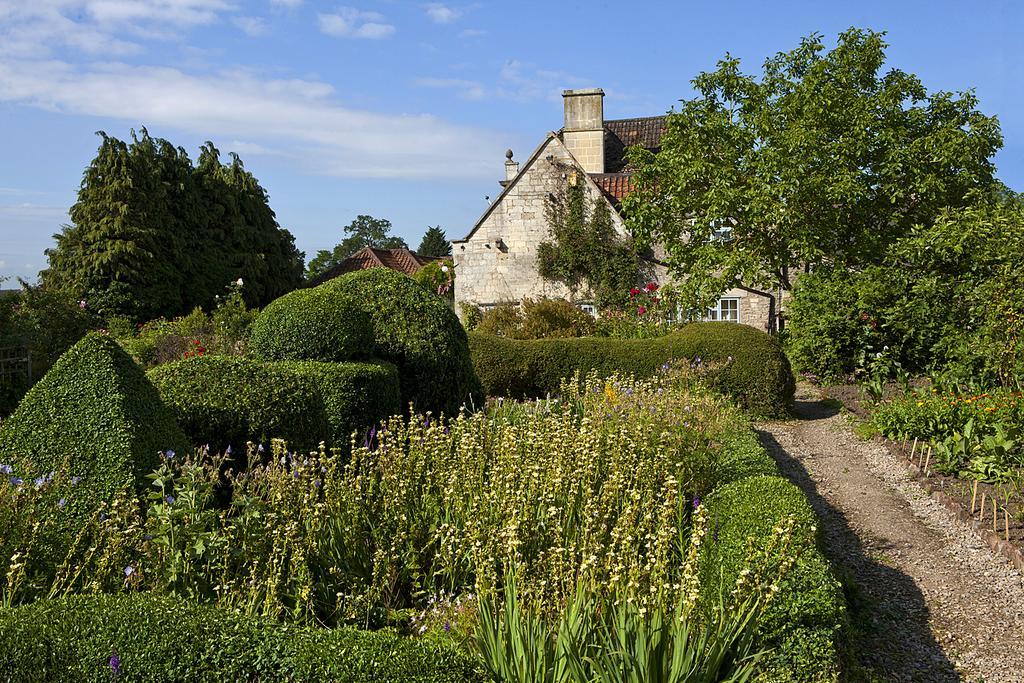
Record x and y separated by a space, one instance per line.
650 312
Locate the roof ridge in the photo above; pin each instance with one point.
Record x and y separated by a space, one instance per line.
637 118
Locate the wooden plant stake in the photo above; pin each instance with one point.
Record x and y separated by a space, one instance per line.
982 507
913 450
1006 522
974 495
995 515
928 461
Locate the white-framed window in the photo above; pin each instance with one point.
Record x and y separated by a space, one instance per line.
588 308
726 309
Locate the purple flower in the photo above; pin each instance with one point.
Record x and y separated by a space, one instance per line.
228 451
75 480
40 481
169 499
6 469
169 455
447 627
115 663
696 502
317 483
147 537
16 481
62 502
128 571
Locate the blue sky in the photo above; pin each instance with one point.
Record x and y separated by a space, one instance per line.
403 110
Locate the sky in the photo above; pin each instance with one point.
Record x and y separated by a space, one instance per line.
403 110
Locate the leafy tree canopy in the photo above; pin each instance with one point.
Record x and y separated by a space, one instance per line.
364 231
585 252
152 235
823 160
435 243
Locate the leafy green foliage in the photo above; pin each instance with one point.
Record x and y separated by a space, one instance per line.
312 324
438 277
227 401
823 160
434 243
803 624
419 333
223 332
585 253
162 638
540 319
944 300
754 370
95 416
363 231
152 235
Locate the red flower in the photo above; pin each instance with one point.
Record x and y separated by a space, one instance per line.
641 310
651 287
655 299
634 291
196 342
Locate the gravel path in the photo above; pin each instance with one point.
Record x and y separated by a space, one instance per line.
929 601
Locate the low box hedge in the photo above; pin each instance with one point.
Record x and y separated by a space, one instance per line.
94 418
355 396
758 377
224 400
805 622
157 638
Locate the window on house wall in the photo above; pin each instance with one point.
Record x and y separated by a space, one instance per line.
588 308
726 309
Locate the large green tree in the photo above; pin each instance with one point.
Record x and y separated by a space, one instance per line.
151 235
434 243
824 159
364 231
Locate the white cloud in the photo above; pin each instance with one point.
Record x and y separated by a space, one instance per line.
38 27
252 26
349 22
286 3
472 33
442 14
301 116
470 90
522 81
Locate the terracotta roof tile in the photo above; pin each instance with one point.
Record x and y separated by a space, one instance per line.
623 133
614 185
402 260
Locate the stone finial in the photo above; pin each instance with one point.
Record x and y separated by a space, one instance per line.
508 154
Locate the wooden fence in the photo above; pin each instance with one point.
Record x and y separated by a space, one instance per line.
15 365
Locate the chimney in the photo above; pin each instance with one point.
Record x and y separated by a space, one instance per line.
583 132
511 167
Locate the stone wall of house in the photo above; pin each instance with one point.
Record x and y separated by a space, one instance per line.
498 262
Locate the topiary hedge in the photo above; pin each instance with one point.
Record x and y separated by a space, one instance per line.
94 415
743 456
227 400
418 332
312 324
804 623
161 639
354 396
759 377
224 400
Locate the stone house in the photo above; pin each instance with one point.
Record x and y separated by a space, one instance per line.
497 260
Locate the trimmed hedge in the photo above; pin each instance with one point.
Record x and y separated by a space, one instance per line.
743 456
94 415
759 377
222 400
417 331
355 396
804 623
161 639
312 324
227 400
